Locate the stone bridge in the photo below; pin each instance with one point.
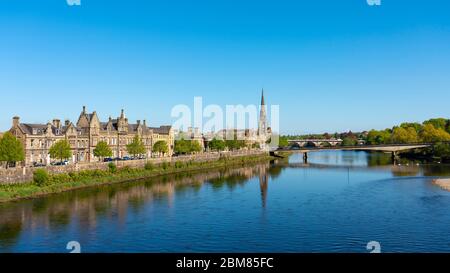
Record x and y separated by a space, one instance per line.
394 149
315 142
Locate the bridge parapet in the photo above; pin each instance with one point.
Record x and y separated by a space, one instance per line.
316 142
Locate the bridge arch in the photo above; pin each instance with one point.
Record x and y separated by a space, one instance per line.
311 144
325 144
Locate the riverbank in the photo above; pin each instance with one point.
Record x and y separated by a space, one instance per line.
57 183
443 183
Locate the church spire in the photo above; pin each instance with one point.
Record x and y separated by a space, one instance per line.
262 126
262 98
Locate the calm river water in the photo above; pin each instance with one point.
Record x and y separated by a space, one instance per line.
338 202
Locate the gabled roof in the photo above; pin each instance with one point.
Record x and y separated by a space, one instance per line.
28 128
162 130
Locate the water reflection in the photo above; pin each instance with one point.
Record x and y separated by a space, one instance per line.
56 212
159 205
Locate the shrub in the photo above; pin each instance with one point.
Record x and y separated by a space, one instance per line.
40 177
178 165
127 169
165 165
149 166
60 178
112 167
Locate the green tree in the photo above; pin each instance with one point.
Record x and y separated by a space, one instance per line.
136 147
217 145
235 144
349 141
284 142
102 150
182 146
417 126
11 149
161 147
402 135
442 150
431 134
438 123
195 147
187 146
379 137
60 150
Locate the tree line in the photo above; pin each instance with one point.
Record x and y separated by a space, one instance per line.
183 147
430 131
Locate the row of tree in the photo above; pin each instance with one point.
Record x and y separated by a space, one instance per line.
230 144
11 149
184 147
191 146
430 131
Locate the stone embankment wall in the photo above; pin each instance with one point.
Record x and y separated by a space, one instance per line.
25 174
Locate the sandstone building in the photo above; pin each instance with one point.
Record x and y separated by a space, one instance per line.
84 136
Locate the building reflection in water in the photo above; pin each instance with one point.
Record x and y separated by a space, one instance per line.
82 209
263 184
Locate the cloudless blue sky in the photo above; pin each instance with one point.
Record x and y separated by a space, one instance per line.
330 65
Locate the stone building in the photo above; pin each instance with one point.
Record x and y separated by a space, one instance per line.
85 135
251 136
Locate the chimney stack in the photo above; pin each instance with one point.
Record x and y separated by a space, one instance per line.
145 123
57 123
84 109
16 121
67 122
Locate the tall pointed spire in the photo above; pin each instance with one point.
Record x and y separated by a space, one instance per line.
262 98
262 125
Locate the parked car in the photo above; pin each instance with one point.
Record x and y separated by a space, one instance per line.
59 163
108 159
36 164
126 158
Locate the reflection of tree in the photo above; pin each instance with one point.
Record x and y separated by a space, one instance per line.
436 170
405 171
275 171
87 206
378 159
10 232
59 219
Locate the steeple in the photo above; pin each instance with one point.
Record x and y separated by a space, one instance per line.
262 125
262 98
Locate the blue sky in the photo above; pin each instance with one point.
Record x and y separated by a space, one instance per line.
330 65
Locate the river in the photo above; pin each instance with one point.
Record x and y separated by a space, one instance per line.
337 202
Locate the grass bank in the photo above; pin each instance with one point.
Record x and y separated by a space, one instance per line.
56 183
